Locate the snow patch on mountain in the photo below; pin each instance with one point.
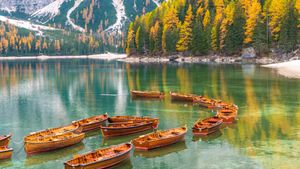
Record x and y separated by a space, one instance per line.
121 17
157 3
24 6
26 24
8 10
49 11
70 21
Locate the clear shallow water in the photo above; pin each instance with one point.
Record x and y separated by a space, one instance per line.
37 95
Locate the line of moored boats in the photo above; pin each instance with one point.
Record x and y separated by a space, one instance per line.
60 137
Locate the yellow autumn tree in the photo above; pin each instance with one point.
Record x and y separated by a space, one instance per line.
186 32
206 19
45 46
297 6
0 48
226 21
277 11
38 45
252 10
57 45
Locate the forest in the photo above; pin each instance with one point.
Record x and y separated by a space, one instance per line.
22 42
201 27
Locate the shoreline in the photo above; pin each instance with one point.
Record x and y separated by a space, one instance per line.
290 69
107 56
205 60
209 59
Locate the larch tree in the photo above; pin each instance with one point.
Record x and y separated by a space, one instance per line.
140 39
288 33
186 32
206 19
226 22
156 38
170 30
130 44
277 12
252 10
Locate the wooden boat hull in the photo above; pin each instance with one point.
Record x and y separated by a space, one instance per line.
106 164
4 140
207 126
113 132
52 132
38 147
206 131
120 119
228 115
93 125
153 95
204 103
6 154
159 143
181 97
103 163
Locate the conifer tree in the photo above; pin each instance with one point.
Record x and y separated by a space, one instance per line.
170 31
155 38
186 32
206 19
277 12
130 44
253 10
260 41
288 33
233 41
140 39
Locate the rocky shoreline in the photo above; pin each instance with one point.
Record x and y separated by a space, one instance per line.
272 58
207 59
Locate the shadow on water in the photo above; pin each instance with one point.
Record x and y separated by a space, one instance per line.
6 163
122 139
207 138
162 151
53 155
93 133
124 165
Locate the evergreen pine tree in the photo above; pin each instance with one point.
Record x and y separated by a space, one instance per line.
260 41
186 30
130 44
139 39
288 33
233 41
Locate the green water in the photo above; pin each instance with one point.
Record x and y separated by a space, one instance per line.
35 95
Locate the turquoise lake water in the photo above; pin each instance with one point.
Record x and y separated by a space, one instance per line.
36 95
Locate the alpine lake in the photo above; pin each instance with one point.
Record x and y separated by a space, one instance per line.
36 95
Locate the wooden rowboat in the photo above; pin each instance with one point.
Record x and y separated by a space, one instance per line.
4 140
101 158
52 132
228 115
204 102
118 119
5 152
207 126
52 142
160 138
147 94
120 129
91 123
182 97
